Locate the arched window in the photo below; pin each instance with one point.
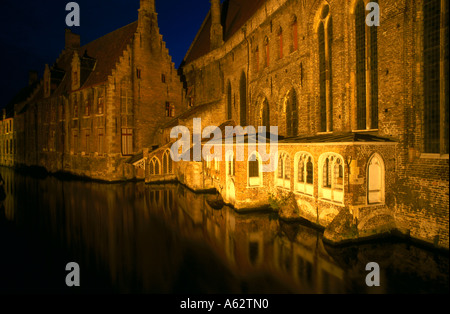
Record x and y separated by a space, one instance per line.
366 71
167 163
435 77
331 185
291 114
254 170
325 32
154 166
283 178
243 100
230 164
229 102
265 115
375 180
304 180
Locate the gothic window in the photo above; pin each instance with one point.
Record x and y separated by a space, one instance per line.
280 43
243 100
284 171
305 173
265 115
257 59
375 180
325 75
291 114
436 133
154 166
163 78
167 163
366 71
331 177
138 73
254 170
229 102
294 31
230 164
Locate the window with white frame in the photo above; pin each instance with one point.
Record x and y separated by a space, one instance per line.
283 178
254 170
375 180
331 177
230 162
304 181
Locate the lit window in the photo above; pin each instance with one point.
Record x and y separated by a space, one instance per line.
284 171
154 166
375 180
304 182
254 170
331 185
167 163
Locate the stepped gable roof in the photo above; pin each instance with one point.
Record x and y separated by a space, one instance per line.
106 50
235 13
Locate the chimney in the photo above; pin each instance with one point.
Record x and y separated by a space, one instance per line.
148 6
72 40
216 34
32 77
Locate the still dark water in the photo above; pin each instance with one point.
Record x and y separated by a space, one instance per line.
135 238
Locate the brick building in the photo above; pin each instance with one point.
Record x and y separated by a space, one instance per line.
100 104
362 112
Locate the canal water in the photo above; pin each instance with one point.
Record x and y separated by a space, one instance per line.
137 238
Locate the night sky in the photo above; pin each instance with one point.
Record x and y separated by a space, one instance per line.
32 31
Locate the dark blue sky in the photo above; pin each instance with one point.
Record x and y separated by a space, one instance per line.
32 31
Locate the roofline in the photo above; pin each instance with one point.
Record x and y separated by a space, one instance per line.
196 37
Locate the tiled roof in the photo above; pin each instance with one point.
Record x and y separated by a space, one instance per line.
106 50
338 138
235 13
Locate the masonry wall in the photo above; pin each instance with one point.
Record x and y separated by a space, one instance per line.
420 191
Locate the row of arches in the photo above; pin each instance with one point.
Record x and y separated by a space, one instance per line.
331 175
155 167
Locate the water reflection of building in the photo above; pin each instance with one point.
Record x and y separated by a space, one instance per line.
148 238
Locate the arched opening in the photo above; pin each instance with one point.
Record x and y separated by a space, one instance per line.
167 163
291 114
229 102
265 115
243 100
375 180
254 170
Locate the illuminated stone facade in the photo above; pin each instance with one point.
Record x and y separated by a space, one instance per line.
100 104
362 111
